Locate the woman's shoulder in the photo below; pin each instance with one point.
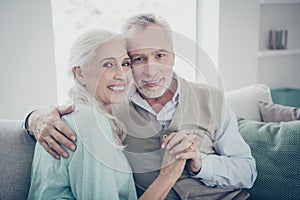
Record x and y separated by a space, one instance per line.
84 115
86 122
83 111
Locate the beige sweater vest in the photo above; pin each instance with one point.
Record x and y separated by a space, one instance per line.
200 109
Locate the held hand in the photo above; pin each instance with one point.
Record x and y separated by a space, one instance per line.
49 130
184 145
172 167
170 171
193 155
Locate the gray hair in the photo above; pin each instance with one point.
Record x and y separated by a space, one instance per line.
81 54
140 22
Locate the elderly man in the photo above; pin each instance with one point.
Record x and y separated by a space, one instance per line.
194 116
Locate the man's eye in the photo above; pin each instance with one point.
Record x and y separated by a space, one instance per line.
160 55
138 59
107 64
126 64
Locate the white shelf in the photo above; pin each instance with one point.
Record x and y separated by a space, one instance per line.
281 52
278 1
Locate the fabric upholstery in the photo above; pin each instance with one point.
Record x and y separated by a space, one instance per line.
244 101
275 146
278 113
16 154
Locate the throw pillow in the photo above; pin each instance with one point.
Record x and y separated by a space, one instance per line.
244 101
277 113
275 147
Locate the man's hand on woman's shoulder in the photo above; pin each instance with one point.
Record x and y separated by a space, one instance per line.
51 132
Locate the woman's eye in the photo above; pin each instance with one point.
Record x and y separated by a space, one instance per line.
126 64
107 64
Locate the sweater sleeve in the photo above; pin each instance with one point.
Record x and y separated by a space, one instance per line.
98 169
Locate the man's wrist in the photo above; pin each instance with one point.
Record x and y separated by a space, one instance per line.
193 171
26 124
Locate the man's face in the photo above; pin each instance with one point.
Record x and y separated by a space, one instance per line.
152 60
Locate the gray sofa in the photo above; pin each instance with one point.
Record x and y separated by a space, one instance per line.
16 153
275 146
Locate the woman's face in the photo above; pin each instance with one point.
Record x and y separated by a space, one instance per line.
109 75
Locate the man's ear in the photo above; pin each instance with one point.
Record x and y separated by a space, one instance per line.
79 75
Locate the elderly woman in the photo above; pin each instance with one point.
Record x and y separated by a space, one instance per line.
98 169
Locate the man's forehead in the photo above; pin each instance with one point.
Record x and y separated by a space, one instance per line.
150 38
147 51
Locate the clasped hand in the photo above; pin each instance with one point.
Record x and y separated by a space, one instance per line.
184 145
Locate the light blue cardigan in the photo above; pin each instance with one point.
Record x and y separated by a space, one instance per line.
96 170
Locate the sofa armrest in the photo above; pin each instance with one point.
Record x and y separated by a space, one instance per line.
16 154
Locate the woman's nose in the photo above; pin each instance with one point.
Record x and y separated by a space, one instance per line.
119 72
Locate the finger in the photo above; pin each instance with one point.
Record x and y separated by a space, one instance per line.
62 110
181 143
54 146
187 155
178 137
63 128
61 139
166 139
167 159
49 150
180 147
175 140
184 144
195 146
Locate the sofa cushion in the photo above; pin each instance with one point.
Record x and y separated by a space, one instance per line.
275 147
286 96
278 113
244 101
16 154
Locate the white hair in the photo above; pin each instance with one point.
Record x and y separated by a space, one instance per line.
140 22
81 54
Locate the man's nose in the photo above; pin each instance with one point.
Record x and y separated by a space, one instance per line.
150 67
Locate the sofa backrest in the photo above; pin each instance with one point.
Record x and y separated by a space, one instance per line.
16 154
244 101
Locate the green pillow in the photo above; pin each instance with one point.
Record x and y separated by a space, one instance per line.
275 147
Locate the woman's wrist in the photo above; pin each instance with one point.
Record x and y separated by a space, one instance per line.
167 178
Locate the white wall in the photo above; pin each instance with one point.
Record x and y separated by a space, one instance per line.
280 71
208 28
228 32
239 31
27 75
233 32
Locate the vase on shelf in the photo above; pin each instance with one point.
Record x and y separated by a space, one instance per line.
278 39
